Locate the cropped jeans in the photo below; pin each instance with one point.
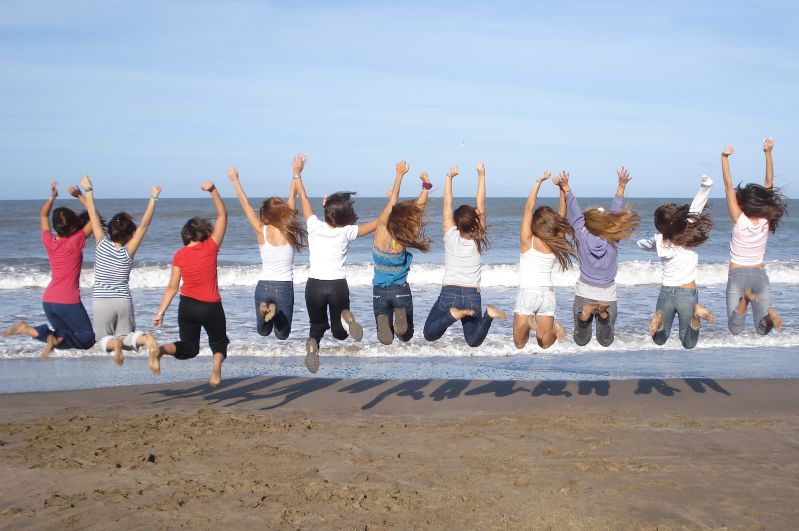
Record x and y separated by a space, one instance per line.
756 279
70 322
475 328
281 294
680 301
386 299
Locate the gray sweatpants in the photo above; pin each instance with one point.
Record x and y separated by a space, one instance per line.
114 318
604 327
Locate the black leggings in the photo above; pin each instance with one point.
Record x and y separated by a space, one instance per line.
194 315
321 294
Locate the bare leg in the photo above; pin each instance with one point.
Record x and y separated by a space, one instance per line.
21 328
522 324
700 312
774 317
588 309
115 346
154 361
495 312
52 343
560 333
546 333
656 323
216 371
459 314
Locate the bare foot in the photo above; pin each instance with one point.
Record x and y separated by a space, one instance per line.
656 323
52 343
154 361
216 375
494 312
560 332
18 329
700 312
749 296
602 310
588 309
459 314
775 318
271 311
116 347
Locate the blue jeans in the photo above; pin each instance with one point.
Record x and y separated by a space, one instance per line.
475 328
680 301
756 279
70 322
385 299
281 294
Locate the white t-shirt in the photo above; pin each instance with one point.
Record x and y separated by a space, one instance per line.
327 248
679 263
462 262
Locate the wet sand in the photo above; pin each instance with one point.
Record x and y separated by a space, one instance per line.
355 454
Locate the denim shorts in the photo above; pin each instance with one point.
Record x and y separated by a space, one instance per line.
532 301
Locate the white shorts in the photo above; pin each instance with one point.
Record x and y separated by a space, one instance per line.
532 301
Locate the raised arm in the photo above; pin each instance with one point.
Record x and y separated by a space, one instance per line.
297 165
75 192
562 196
574 214
526 226
221 212
768 145
141 230
624 178
729 190
94 218
426 186
447 216
169 294
249 213
307 210
402 168
481 192
44 213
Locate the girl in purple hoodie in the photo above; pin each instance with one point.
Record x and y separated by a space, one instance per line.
598 233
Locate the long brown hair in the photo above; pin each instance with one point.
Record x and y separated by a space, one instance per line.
406 224
276 211
757 201
672 221
467 220
553 229
611 226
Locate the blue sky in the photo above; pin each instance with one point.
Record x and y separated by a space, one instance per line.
135 93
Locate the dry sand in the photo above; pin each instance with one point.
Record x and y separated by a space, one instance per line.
347 454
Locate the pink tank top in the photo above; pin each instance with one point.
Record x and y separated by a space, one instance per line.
748 244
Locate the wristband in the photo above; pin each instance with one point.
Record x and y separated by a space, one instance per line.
154 197
298 176
427 186
87 188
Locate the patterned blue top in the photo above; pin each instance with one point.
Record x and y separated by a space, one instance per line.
391 269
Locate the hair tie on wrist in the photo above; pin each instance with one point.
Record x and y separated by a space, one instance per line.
427 186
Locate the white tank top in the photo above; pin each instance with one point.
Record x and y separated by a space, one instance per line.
462 262
277 262
535 268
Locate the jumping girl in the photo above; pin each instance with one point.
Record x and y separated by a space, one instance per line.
465 240
279 236
72 328
544 237
399 226
326 289
200 304
598 234
681 228
755 211
112 304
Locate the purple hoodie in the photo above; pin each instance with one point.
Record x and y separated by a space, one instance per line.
599 260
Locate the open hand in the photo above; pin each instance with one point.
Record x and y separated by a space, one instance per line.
481 169
544 176
233 174
208 186
298 163
402 167
54 189
768 145
453 171
624 176
74 191
561 179
729 150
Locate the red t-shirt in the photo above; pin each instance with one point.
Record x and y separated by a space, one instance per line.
197 265
66 259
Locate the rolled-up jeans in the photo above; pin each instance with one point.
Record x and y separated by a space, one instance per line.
475 328
680 301
385 299
281 294
756 279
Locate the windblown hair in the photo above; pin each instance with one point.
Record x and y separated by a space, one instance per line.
121 228
672 221
406 224
276 212
612 226
467 220
553 229
196 230
66 222
757 201
339 210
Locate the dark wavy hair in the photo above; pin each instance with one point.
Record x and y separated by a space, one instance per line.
196 230
672 221
757 201
276 211
467 220
555 231
339 210
66 222
121 228
406 224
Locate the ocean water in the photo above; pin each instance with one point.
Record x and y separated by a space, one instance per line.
24 273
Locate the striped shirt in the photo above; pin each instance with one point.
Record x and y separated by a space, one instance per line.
112 266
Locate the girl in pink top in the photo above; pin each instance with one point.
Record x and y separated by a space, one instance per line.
755 211
72 328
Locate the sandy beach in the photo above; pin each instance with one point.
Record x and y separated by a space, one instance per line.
323 453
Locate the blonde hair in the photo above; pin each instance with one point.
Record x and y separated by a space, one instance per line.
612 226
